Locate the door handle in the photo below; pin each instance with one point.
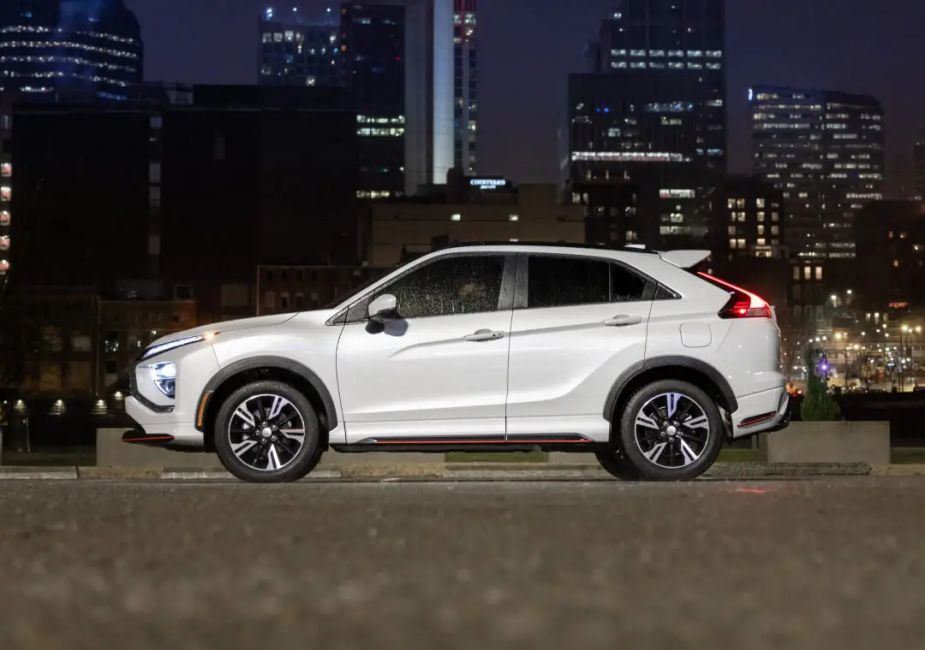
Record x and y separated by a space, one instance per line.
484 335
623 321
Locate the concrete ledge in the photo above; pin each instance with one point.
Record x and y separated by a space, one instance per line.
830 442
38 473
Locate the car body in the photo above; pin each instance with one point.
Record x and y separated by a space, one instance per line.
487 347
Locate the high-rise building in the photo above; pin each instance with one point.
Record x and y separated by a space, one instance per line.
466 84
297 50
824 151
374 42
918 166
417 113
70 48
373 54
747 220
652 114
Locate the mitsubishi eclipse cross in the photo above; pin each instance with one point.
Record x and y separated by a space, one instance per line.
624 353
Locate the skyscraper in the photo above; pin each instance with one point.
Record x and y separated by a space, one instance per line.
373 39
824 151
652 115
466 85
299 51
79 48
390 51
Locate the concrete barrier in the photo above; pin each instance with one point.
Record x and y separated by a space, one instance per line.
830 442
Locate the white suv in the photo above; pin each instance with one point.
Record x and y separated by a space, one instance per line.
622 353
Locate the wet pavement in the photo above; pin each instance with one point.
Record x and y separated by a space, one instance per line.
815 564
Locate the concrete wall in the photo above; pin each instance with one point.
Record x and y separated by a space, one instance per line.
830 442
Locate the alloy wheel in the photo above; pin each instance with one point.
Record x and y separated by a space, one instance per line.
266 432
672 430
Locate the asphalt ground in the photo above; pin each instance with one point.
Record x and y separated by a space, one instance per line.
828 563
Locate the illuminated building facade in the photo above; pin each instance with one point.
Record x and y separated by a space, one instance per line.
71 48
652 114
824 151
466 88
299 51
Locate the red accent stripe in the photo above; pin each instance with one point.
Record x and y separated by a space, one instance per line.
440 442
149 439
487 441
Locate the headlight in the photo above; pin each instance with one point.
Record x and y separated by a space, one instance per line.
173 345
164 376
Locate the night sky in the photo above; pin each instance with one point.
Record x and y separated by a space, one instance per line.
529 47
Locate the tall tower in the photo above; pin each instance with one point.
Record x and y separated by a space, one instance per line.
466 82
651 119
70 48
824 151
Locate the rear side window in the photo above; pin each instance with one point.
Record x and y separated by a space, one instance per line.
569 281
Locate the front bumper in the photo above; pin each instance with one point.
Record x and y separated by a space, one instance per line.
151 423
761 413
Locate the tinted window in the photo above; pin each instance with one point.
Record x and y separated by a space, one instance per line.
450 286
563 281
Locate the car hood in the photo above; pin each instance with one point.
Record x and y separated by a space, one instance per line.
228 326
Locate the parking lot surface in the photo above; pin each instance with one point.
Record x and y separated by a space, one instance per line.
815 564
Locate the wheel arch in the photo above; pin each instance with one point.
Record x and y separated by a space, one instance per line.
246 371
694 371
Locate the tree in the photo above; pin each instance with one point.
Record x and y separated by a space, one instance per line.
818 405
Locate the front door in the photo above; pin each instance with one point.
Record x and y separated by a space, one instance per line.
440 369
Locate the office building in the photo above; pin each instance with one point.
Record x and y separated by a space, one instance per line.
393 46
824 151
196 194
747 220
65 49
298 49
466 85
471 209
652 114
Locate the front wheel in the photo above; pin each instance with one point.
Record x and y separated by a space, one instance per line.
671 431
267 432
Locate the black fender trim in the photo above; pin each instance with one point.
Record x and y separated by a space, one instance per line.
280 363
640 367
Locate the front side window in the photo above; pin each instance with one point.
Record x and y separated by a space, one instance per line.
451 286
569 281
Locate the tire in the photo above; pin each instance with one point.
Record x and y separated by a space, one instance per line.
267 432
671 431
616 463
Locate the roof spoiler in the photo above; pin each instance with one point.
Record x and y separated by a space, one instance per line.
685 259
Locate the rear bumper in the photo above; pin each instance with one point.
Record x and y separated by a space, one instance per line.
761 413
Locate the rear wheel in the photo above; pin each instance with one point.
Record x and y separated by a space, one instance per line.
671 431
267 432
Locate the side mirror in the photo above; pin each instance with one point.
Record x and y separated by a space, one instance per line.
383 309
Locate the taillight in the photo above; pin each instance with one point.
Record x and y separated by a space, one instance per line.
742 303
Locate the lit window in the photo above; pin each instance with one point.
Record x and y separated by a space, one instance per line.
6 170
514 217
456 217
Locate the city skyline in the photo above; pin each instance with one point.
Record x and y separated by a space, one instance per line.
538 44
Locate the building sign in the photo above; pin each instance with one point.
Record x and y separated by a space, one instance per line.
485 184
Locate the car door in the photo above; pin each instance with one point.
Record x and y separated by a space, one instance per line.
440 369
578 323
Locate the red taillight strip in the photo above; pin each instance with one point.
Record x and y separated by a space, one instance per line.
755 307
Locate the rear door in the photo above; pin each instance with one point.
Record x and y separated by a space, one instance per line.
578 323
